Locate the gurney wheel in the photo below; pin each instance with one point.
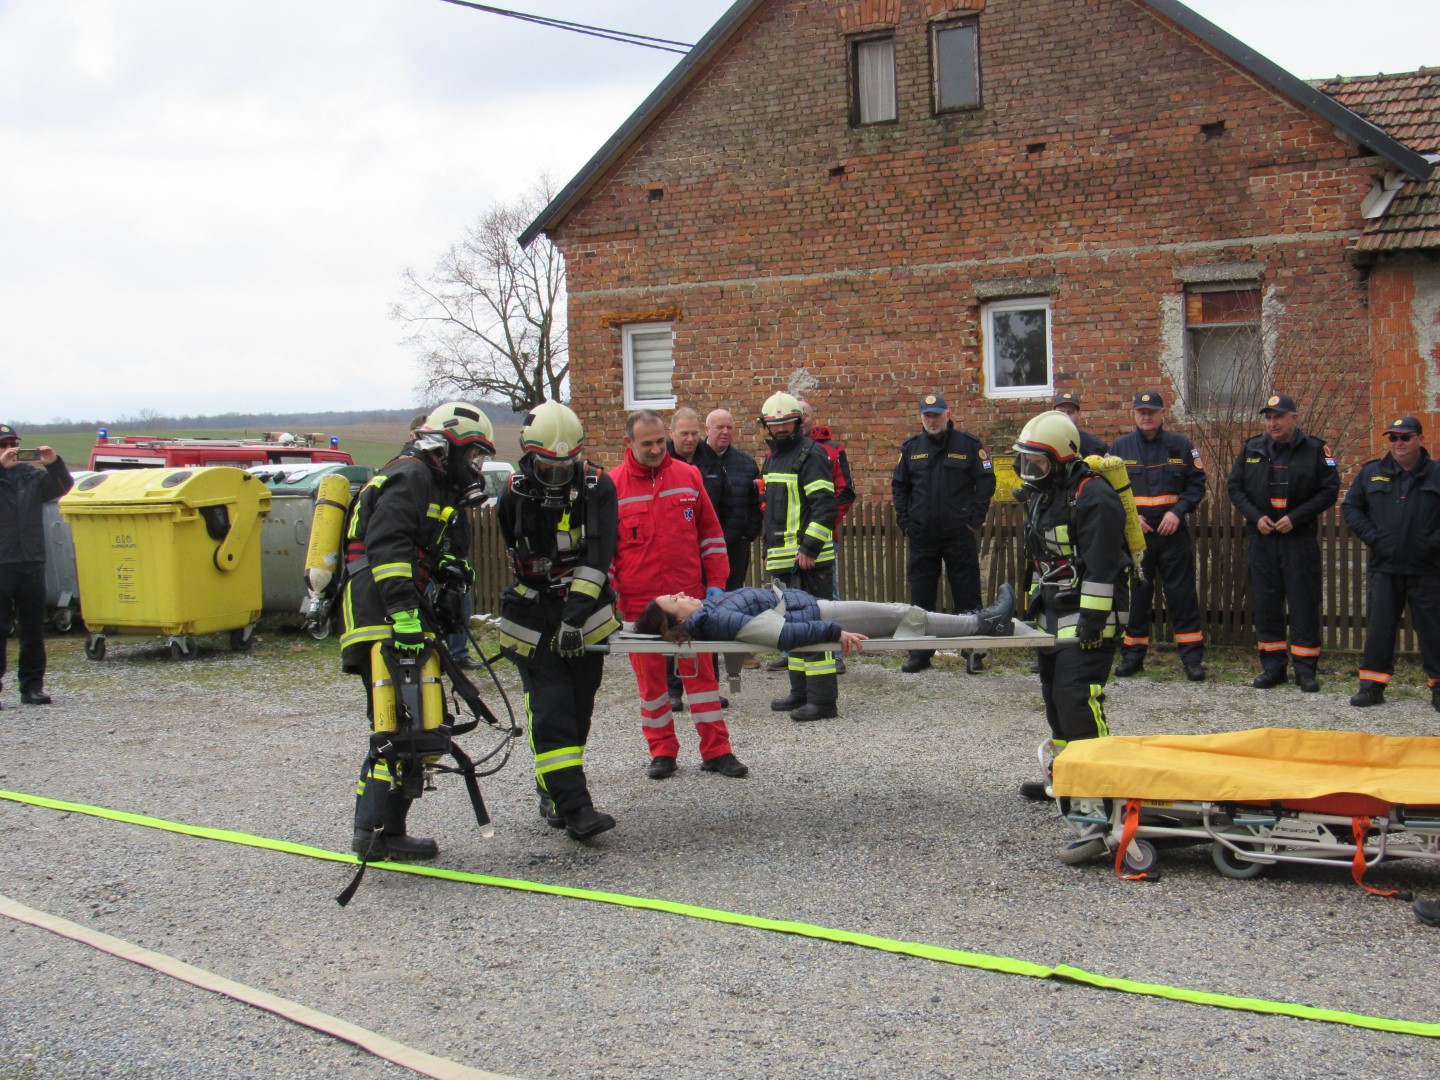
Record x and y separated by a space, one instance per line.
1140 856
1232 866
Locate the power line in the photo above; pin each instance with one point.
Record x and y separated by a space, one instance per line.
643 40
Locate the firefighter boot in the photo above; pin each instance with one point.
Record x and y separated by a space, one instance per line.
586 822
821 692
998 620
399 845
369 839
795 698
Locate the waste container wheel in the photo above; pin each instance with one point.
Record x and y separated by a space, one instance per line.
319 630
182 648
62 622
95 647
242 639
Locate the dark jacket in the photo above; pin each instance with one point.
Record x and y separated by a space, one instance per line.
1080 525
1313 482
1166 473
1092 444
800 507
24 491
942 487
1401 529
840 466
722 619
730 482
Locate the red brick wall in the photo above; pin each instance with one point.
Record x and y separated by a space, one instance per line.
867 278
1405 336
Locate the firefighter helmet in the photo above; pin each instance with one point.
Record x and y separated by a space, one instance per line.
554 439
461 424
781 408
1048 444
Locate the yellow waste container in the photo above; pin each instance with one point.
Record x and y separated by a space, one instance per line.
1005 479
168 551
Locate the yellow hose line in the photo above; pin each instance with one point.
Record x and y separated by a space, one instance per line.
959 957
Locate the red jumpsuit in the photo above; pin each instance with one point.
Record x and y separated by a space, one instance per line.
670 541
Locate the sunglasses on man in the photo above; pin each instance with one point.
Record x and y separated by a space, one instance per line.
1405 437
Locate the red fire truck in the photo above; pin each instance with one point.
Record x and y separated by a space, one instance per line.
274 448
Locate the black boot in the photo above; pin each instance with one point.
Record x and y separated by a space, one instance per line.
795 698
397 843
821 692
586 822
369 839
998 620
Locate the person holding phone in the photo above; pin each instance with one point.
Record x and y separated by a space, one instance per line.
26 485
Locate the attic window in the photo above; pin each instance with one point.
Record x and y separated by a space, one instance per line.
955 62
656 192
872 79
1213 131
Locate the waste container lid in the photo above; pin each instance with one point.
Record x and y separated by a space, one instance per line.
201 486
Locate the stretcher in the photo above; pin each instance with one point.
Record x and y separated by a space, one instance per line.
1259 797
625 641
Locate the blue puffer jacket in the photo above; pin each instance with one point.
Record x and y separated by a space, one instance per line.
721 620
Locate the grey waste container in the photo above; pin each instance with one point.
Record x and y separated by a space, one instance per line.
285 532
62 582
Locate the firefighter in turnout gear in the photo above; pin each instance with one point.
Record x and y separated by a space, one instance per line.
1168 480
799 528
559 520
1075 539
394 543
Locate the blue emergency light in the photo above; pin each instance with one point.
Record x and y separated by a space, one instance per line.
104 434
334 442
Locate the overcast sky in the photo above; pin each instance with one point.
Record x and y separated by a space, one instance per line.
206 205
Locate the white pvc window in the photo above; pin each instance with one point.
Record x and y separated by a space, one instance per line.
649 366
1016 348
872 76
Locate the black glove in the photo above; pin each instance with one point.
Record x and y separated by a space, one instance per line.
456 571
1090 633
569 641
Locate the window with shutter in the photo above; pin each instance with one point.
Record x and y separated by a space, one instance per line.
649 366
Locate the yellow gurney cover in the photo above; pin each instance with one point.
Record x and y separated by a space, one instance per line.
1248 766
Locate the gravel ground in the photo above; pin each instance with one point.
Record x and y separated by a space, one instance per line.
898 819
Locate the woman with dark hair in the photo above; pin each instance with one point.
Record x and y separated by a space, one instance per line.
777 618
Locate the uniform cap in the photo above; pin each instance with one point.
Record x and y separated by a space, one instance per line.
7 432
1405 423
1149 399
1278 403
1067 397
933 403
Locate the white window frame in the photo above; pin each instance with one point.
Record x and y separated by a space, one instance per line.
988 311
937 68
858 84
632 399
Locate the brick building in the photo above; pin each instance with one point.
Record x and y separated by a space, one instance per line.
998 199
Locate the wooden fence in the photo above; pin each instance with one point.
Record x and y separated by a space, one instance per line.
873 551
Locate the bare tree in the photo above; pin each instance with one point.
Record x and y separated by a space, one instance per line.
489 319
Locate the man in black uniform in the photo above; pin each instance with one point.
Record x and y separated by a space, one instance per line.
1075 538
24 491
730 477
1394 507
1168 480
1281 483
1068 402
799 517
560 521
395 542
941 489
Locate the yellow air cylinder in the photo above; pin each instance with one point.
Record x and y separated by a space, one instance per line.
382 692
322 557
1113 469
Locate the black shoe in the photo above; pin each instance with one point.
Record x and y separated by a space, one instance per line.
785 704
1427 912
587 822
1130 665
806 713
1036 791
1268 680
975 663
661 767
780 663
552 817
35 697
1311 685
1195 672
468 663
725 765
1370 694
677 704
914 664
725 701
404 848
998 620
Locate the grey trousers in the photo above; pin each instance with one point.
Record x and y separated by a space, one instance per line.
882 620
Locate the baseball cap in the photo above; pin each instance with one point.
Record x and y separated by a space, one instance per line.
933 403
1278 403
1149 399
1405 423
1067 397
7 433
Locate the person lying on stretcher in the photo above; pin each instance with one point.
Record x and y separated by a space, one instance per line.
789 618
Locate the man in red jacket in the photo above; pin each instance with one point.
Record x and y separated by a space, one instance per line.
670 541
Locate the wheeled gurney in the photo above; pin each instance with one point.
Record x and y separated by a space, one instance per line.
1259 797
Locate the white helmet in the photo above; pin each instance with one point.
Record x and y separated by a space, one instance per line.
1047 444
555 440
